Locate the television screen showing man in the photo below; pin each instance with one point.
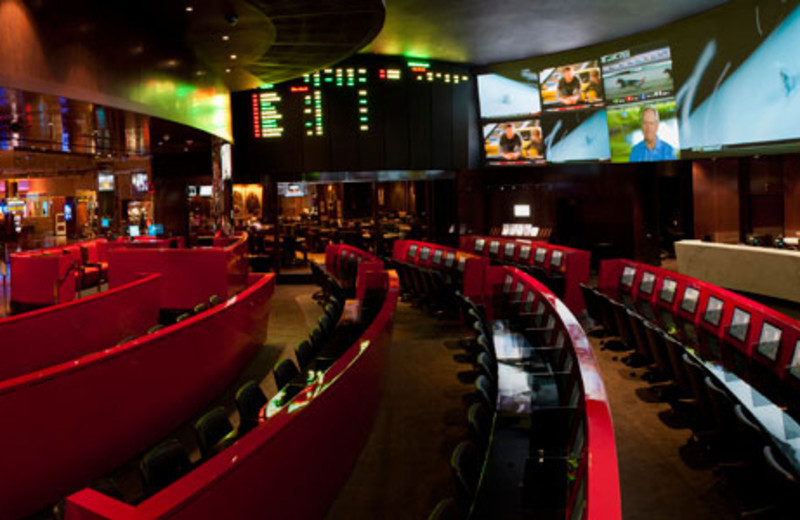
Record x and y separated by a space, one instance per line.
651 148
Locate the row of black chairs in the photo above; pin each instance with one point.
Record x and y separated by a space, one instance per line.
330 287
553 280
469 456
200 307
424 287
720 423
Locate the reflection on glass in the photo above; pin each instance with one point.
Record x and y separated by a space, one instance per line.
769 341
713 312
740 325
668 290
690 297
646 285
794 367
626 280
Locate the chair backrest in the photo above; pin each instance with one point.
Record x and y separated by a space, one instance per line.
184 316
465 467
486 391
214 300
479 422
304 353
721 406
487 366
212 428
775 464
155 328
284 372
446 509
250 399
163 465
200 307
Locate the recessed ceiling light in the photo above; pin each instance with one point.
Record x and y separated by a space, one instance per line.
189 8
225 37
233 56
227 71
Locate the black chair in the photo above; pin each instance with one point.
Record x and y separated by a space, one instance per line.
487 366
479 422
642 356
214 300
184 316
155 328
622 326
696 375
163 465
723 415
284 372
486 391
317 339
446 509
590 298
200 307
125 340
466 471
658 351
214 432
250 399
304 354
675 350
325 324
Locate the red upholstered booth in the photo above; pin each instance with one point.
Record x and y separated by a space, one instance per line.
77 420
572 264
293 464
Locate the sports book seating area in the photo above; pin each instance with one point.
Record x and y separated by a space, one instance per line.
338 374
541 440
562 269
728 365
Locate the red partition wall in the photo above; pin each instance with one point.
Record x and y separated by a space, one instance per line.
42 279
60 333
574 264
77 421
715 342
597 469
469 266
337 254
292 465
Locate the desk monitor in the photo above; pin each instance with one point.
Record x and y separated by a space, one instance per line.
541 253
479 243
507 283
794 366
494 247
462 263
519 288
668 287
155 230
412 251
740 325
437 257
628 273
528 302
449 258
647 283
713 313
689 302
556 258
769 341
509 251
524 252
105 222
425 253
133 231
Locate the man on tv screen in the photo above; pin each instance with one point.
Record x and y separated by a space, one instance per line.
510 144
651 148
569 87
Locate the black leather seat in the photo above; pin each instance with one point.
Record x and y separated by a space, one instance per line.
479 422
486 392
250 399
200 307
284 372
163 465
214 432
466 471
184 316
214 300
155 328
304 354
487 366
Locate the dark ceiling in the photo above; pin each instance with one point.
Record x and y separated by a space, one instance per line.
482 32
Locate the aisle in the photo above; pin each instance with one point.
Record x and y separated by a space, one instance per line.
404 469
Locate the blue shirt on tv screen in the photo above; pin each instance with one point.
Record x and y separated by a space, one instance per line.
660 152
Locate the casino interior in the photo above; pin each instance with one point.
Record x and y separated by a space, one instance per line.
393 259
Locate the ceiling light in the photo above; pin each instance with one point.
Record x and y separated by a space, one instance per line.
233 56
189 8
225 37
227 71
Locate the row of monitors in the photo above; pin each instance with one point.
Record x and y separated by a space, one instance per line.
556 259
447 259
769 339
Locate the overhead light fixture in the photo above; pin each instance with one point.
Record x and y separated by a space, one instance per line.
227 71
233 56
189 8
225 37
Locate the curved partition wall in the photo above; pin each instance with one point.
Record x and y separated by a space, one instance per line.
77 420
293 464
